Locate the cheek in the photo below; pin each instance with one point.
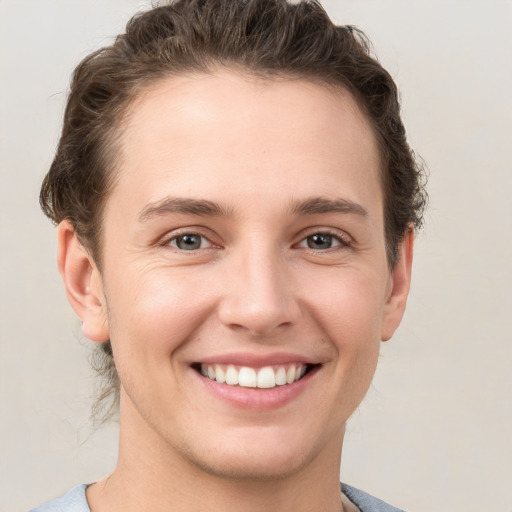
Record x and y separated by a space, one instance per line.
350 309
355 313
156 312
349 306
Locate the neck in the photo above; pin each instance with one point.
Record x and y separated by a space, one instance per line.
151 475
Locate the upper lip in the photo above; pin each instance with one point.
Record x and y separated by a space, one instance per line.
257 360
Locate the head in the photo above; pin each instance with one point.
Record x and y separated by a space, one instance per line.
270 41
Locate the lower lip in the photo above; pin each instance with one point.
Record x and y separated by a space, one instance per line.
257 398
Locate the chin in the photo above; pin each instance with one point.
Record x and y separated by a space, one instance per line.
261 457
249 468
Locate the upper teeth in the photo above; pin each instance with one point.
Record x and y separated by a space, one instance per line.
245 376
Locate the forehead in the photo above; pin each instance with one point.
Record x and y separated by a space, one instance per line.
187 134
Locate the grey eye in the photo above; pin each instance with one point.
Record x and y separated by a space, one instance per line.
320 241
188 242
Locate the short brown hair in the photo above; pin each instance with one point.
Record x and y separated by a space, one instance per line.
271 38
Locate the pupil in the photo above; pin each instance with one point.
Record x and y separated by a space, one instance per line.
320 241
189 242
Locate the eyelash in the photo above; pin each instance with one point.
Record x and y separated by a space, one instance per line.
172 241
342 241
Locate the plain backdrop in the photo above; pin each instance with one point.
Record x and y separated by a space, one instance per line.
434 432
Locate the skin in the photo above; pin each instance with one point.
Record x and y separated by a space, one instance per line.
257 149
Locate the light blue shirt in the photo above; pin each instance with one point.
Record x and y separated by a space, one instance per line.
75 501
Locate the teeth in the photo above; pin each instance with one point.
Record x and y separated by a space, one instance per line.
290 374
266 377
245 376
220 376
231 376
281 376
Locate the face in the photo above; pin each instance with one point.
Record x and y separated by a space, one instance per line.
245 287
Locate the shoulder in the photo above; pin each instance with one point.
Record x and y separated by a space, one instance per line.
73 501
365 502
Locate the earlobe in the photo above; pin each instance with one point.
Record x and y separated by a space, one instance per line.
399 287
83 283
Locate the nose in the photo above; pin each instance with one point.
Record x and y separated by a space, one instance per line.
258 296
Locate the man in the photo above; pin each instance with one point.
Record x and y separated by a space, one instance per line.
236 204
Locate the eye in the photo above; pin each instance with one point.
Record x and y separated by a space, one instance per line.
322 241
189 242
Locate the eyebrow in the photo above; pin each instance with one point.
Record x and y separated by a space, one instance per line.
319 205
206 208
200 207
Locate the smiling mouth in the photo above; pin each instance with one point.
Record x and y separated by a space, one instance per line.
266 377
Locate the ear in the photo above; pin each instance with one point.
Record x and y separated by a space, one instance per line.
84 287
400 281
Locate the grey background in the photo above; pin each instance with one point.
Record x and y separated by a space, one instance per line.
434 432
